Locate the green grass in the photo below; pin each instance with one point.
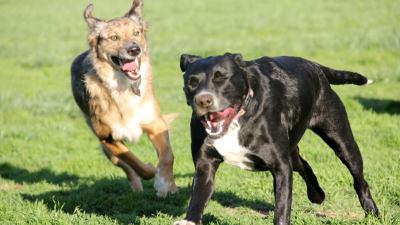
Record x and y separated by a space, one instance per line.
51 168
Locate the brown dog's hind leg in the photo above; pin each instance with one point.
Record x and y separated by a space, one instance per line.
136 183
314 191
158 134
119 150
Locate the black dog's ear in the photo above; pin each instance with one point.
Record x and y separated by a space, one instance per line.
237 57
187 59
136 9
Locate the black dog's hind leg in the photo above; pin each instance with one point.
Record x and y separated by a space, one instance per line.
332 125
314 191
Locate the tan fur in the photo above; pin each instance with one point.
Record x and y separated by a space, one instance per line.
110 102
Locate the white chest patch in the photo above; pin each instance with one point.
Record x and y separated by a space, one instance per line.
228 146
129 128
130 131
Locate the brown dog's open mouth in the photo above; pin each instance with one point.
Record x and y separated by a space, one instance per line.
130 67
217 123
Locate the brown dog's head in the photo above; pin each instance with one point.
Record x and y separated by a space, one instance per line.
120 42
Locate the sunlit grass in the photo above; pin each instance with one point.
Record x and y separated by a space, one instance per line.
51 168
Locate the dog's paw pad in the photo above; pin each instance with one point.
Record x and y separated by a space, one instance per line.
184 222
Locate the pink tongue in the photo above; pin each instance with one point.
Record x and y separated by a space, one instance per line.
217 115
129 66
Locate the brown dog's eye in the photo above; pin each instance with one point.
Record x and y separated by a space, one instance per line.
114 38
136 33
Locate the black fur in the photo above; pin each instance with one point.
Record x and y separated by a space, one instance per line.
287 96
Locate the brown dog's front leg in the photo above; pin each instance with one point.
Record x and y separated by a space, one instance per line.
164 181
118 149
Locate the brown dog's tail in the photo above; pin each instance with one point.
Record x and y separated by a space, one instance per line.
169 118
344 77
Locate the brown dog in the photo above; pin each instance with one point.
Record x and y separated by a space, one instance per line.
112 85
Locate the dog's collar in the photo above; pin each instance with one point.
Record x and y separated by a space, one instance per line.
249 95
135 88
250 92
247 99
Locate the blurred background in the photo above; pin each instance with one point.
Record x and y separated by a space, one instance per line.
51 169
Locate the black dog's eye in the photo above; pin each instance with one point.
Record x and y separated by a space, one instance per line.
193 82
114 38
219 77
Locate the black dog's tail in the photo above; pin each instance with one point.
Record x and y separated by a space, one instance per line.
344 77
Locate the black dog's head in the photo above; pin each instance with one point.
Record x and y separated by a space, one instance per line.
215 88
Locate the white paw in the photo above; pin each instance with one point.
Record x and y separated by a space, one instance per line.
161 185
184 222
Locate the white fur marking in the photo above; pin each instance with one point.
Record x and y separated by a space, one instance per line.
130 128
184 222
228 146
161 185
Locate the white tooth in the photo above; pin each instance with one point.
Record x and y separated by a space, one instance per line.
209 123
208 131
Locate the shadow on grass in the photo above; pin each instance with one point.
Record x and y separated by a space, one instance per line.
19 175
113 198
229 199
380 105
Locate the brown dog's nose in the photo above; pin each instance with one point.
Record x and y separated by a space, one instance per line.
204 100
134 50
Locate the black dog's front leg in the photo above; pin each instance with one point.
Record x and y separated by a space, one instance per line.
203 188
283 180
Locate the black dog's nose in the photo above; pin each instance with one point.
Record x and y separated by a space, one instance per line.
133 50
204 100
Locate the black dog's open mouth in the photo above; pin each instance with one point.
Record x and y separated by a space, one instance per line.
129 67
217 123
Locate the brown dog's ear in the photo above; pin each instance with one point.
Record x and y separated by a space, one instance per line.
136 9
187 59
90 20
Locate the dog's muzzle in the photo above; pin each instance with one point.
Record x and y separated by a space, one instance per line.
128 61
215 121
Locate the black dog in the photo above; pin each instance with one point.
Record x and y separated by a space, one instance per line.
253 114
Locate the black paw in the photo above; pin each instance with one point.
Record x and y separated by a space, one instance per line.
315 194
370 208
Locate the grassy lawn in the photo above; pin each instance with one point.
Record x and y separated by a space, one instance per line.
51 168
